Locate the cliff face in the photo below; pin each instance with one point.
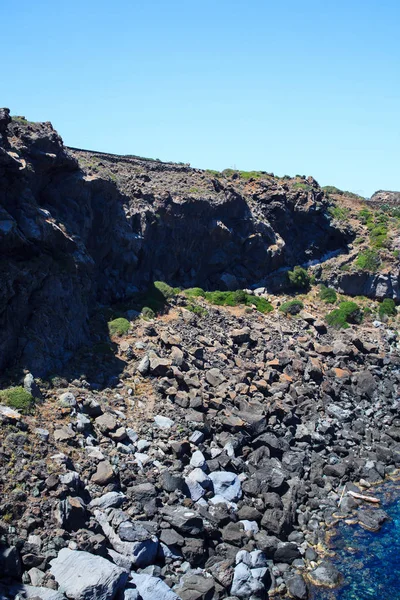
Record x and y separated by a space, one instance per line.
78 227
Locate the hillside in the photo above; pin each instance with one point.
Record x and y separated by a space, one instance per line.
183 408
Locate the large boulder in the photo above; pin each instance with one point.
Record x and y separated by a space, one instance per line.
84 576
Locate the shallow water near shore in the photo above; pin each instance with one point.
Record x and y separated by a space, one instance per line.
369 562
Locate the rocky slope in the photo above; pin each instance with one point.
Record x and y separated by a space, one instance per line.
78 228
203 453
212 467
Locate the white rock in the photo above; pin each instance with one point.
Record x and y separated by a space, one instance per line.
163 422
152 588
227 485
197 459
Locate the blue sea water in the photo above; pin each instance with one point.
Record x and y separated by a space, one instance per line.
369 562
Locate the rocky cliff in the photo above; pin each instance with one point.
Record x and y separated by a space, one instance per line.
80 227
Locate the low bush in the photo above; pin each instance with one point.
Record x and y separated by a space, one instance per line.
348 312
18 398
292 307
195 292
339 213
165 290
118 326
237 298
196 309
387 307
368 260
299 278
327 294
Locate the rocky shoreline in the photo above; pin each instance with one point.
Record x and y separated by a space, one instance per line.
209 465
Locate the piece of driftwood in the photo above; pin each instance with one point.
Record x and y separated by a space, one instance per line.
362 497
341 497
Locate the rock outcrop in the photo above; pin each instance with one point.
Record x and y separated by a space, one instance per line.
79 227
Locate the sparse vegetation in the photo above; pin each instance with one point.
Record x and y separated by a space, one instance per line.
302 186
339 213
118 326
166 290
387 307
197 309
348 312
291 307
327 294
299 278
18 398
331 189
368 260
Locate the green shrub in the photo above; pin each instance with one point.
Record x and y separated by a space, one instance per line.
18 398
327 294
147 313
339 213
221 298
299 278
292 307
368 261
195 292
250 174
197 309
378 236
118 326
302 186
166 290
348 312
352 311
261 304
387 307
237 298
365 215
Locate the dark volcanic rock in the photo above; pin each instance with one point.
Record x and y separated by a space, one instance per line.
71 235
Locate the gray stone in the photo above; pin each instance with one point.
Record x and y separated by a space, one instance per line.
31 386
67 399
214 377
109 500
64 434
325 575
185 520
30 591
42 433
152 588
297 588
227 485
104 473
196 587
84 576
106 422
144 365
163 422
244 584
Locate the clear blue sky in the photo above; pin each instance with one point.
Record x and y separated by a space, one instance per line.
296 86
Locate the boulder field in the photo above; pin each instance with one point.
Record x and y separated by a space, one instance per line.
212 466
